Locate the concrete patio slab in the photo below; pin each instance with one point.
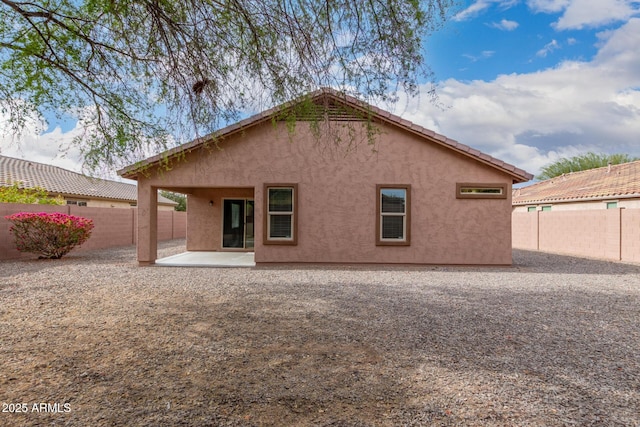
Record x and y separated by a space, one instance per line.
208 259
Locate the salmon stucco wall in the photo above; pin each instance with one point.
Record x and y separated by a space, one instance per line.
337 180
612 234
525 230
566 232
205 220
112 227
630 240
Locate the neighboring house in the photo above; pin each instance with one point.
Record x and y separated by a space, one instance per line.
291 196
614 186
593 213
75 188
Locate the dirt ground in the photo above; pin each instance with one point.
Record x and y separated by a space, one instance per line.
94 340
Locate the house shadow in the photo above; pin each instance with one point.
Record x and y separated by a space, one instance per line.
523 262
550 263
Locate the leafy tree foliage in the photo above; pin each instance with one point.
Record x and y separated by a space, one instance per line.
34 195
181 199
582 162
142 74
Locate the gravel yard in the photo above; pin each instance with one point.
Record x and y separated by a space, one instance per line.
94 340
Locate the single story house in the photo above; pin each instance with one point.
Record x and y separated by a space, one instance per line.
75 188
349 183
609 187
593 213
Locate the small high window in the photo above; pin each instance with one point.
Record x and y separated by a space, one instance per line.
281 214
393 225
612 205
480 191
531 209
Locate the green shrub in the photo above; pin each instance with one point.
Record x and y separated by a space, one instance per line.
51 235
35 195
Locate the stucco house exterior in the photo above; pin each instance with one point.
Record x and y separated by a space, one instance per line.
609 187
75 188
326 192
593 213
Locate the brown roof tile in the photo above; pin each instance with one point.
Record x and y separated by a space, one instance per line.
65 182
518 175
608 182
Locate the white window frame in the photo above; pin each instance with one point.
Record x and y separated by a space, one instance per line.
406 216
268 239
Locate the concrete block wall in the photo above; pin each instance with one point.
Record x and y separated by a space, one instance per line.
165 225
179 224
525 230
630 241
112 227
574 232
612 234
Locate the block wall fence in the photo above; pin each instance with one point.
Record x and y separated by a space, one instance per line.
112 226
612 234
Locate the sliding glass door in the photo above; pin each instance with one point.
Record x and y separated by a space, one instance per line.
237 224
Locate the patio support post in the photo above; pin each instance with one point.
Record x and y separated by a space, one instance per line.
147 223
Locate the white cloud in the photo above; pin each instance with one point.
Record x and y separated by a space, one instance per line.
53 148
480 6
533 119
474 10
57 147
548 6
483 55
505 25
595 13
548 48
577 14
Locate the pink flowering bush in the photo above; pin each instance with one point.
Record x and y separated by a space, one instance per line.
51 235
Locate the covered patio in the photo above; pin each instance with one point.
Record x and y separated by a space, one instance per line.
209 259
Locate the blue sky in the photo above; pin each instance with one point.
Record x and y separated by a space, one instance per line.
531 81
527 81
504 38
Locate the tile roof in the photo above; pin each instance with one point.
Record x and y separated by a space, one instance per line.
322 97
609 182
65 182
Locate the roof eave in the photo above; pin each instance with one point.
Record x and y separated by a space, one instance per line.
518 175
579 199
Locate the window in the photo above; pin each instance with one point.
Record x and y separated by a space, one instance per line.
546 208
531 209
77 202
612 205
393 225
281 214
480 191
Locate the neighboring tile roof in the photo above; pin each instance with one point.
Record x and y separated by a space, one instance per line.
328 94
65 182
609 182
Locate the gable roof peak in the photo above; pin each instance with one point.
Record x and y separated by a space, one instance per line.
354 109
